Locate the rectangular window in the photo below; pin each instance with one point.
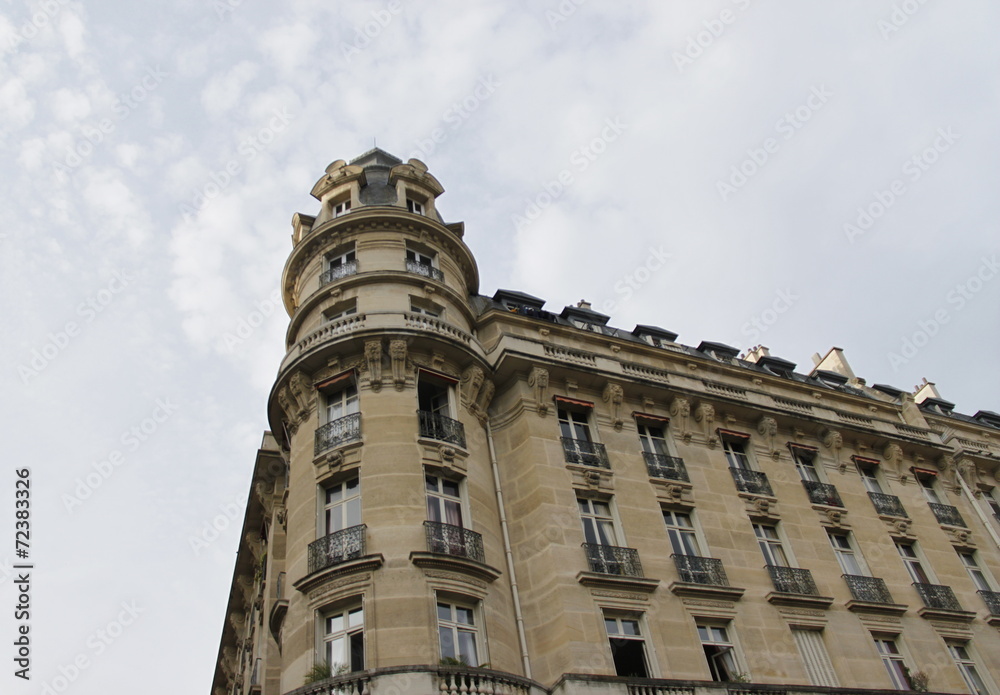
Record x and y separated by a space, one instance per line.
814 655
341 310
458 633
422 306
908 551
967 666
993 499
770 545
805 464
869 476
926 481
893 661
344 639
628 647
652 439
414 206
342 506
736 453
573 425
444 503
681 532
341 208
976 573
598 524
342 403
843 548
719 652
433 395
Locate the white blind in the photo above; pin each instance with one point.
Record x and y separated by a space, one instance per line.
818 666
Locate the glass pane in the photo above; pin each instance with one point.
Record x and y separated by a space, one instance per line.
453 513
335 651
450 487
630 627
447 641
334 494
353 512
464 615
430 483
589 533
352 486
444 611
334 623
690 544
434 509
610 626
607 533
467 648
355 617
703 633
357 647
602 509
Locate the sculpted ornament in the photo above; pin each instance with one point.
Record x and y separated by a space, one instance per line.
893 454
706 415
768 427
613 396
680 410
485 398
397 358
834 441
834 515
538 379
373 359
970 474
472 381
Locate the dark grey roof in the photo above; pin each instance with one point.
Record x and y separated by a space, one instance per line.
376 157
520 297
654 331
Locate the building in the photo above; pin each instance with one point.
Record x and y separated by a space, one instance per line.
470 494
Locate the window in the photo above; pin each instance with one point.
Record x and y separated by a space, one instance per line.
979 578
341 310
628 648
573 425
926 481
342 403
421 257
414 206
719 652
342 207
458 633
444 504
342 506
598 524
805 464
893 662
869 476
967 665
817 660
680 530
652 439
578 445
843 548
993 499
433 395
434 404
770 545
736 453
344 638
418 306
339 264
908 551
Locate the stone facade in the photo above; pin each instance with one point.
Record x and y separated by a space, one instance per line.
471 494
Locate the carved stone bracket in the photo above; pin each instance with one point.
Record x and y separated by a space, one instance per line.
538 379
893 455
768 428
472 381
705 414
296 399
397 360
760 506
970 474
597 480
485 398
373 363
613 396
834 441
680 411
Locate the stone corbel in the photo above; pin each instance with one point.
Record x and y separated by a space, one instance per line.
705 414
397 359
485 398
613 396
834 441
680 411
893 455
901 526
253 543
970 474
472 382
373 361
768 428
246 583
229 660
238 619
538 379
835 516
264 491
281 516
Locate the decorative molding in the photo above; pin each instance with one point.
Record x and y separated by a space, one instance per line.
538 379
614 394
397 360
373 361
705 414
472 382
768 427
680 411
834 441
893 455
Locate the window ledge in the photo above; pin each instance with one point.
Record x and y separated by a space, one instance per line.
948 615
362 564
877 608
443 561
779 598
993 620
614 581
710 591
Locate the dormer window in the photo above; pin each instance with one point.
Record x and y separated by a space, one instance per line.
341 207
415 206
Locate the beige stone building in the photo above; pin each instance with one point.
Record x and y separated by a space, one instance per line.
470 494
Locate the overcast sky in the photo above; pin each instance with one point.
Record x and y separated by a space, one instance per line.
802 175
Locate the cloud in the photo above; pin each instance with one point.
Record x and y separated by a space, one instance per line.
224 91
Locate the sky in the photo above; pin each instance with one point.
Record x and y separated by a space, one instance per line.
799 175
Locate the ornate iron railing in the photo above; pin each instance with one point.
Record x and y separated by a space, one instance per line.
610 559
441 428
428 271
868 589
938 596
668 467
454 540
694 569
948 515
822 493
340 431
751 481
338 547
337 272
584 452
887 504
992 601
792 580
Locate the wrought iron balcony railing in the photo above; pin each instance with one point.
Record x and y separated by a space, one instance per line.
441 428
792 580
822 493
454 540
938 596
340 431
428 271
751 481
887 504
338 547
337 272
700 570
992 601
667 467
610 559
868 589
948 515
583 452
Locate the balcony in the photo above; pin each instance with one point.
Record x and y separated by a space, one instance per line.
337 272
693 569
666 467
868 589
586 453
947 515
454 540
938 597
754 482
340 431
992 601
428 271
337 548
792 580
889 505
822 493
610 559
441 428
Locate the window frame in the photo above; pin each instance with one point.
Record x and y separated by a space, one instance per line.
926 481
324 640
872 481
767 544
417 207
425 307
340 207
649 441
348 307
349 397
968 663
730 647
816 657
894 660
597 530
325 506
642 632
478 631
988 582
680 531
444 386
852 551
915 563
734 456
442 499
805 460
